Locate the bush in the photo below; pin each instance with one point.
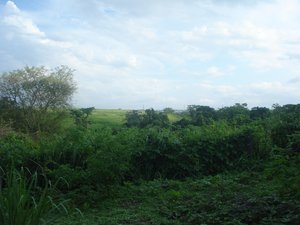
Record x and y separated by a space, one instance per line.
17 150
110 163
196 151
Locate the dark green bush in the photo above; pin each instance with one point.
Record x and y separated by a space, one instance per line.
294 142
110 162
17 150
161 155
196 151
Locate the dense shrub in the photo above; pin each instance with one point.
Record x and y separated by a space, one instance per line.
161 155
17 150
108 156
96 159
111 161
194 151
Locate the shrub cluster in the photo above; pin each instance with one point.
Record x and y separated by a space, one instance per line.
95 159
99 158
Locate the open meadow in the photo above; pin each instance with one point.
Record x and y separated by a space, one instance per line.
108 117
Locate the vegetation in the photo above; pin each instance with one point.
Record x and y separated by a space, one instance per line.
19 206
114 118
146 118
231 165
33 97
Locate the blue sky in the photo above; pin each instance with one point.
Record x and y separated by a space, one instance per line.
160 53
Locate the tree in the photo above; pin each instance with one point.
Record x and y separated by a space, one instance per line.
150 117
201 115
285 121
237 114
81 116
168 110
133 118
259 113
36 95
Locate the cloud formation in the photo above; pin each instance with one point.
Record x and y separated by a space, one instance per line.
160 53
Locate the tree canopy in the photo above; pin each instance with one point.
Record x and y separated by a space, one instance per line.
33 93
149 117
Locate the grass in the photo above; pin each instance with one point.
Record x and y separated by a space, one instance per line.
116 117
174 117
18 204
113 118
108 117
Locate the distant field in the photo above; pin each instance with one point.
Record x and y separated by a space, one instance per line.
113 118
174 117
108 117
116 117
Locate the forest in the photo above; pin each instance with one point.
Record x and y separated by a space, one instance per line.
65 165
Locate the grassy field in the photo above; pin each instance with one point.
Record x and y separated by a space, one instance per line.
108 117
173 117
116 117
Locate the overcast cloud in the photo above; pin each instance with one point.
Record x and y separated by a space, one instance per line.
133 54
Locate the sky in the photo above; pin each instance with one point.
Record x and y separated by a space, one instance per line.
134 54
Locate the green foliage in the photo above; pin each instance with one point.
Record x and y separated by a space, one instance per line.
281 131
17 150
195 151
81 116
285 121
114 118
18 205
160 155
168 110
34 96
133 118
244 198
236 115
294 142
259 113
154 118
233 199
182 123
149 118
111 160
284 169
5 128
9 110
201 115
232 165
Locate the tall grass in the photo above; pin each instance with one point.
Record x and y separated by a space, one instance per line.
22 202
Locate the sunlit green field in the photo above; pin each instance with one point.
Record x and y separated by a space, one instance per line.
116 117
108 117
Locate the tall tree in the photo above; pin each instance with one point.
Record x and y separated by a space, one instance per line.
36 95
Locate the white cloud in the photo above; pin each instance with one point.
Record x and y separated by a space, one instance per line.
14 18
214 71
11 7
24 25
195 34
